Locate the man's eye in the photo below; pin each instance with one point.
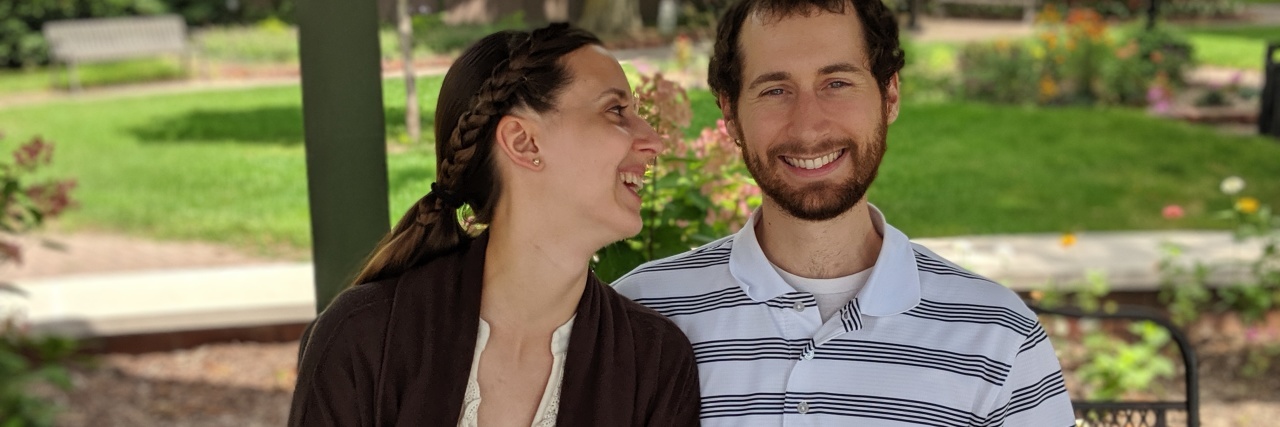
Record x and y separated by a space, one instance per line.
773 92
618 109
838 85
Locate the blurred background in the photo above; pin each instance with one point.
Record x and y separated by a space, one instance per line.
156 242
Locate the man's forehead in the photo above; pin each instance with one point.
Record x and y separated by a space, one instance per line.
762 32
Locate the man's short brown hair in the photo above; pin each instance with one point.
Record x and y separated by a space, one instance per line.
879 28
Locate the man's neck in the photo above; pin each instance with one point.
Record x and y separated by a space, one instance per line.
837 247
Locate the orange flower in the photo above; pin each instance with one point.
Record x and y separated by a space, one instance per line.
1050 40
1048 88
1068 240
1247 205
1002 45
1128 50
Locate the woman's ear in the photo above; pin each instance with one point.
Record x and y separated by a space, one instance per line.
518 139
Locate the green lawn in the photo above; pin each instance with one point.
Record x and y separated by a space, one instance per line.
228 166
94 74
1232 46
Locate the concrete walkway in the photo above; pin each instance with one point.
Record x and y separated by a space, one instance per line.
142 302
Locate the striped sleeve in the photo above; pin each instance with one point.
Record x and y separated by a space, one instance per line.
1035 393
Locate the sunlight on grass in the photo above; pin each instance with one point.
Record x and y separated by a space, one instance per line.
229 166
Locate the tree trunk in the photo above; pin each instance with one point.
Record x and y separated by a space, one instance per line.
611 17
412 122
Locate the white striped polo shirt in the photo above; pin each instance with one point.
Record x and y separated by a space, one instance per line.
924 343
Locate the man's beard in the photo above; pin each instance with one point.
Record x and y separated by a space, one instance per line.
820 201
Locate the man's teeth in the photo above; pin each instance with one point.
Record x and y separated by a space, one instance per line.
633 180
813 163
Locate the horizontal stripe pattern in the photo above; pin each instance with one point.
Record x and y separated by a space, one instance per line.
967 353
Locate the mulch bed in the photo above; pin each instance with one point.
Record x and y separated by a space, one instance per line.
250 384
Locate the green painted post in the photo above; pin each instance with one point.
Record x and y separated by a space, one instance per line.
345 137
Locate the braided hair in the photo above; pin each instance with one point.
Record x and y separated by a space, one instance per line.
499 73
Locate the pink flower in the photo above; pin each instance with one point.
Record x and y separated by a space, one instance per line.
1172 212
10 251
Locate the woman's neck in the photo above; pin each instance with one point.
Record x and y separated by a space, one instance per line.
531 284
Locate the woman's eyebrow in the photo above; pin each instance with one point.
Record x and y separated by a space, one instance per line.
613 91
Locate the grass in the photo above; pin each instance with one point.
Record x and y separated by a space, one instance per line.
217 166
229 166
1235 47
91 75
1223 46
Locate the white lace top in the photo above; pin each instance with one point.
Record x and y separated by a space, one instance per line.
549 407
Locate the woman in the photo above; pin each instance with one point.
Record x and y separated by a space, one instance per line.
538 135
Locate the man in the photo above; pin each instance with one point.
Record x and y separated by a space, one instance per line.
818 312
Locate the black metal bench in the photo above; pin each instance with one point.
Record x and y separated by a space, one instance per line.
1138 414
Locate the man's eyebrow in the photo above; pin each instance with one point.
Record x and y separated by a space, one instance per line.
843 67
769 77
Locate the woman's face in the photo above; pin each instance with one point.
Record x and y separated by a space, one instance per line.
595 148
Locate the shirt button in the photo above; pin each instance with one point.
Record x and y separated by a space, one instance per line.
808 355
799 306
803 408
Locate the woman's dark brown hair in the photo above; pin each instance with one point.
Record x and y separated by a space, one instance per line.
501 72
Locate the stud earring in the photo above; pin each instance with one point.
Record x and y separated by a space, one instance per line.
537 161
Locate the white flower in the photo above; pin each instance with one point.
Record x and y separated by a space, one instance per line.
1232 185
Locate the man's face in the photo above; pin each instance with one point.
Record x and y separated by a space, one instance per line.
810 114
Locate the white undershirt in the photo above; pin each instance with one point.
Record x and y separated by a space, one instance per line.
548 407
832 294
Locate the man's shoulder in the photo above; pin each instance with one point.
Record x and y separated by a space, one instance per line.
945 282
684 270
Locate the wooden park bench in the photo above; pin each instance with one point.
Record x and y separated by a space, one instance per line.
1028 6
1139 414
77 41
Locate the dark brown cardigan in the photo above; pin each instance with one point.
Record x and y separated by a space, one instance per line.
398 352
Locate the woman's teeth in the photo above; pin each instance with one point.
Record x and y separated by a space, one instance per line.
632 180
813 163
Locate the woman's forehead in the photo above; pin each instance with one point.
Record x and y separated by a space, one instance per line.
595 72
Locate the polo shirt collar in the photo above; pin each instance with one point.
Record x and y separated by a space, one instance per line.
893 288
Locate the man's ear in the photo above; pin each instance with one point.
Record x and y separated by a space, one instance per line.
892 98
517 139
730 117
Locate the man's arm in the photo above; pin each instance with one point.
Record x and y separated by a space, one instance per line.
1035 393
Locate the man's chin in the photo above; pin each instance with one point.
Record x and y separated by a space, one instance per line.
815 207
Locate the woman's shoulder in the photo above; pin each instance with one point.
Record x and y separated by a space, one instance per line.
649 323
357 313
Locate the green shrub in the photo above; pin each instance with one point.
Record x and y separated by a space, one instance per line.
28 198
1128 9
431 31
1075 60
27 361
270 40
21 43
698 191
1001 72
222 12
